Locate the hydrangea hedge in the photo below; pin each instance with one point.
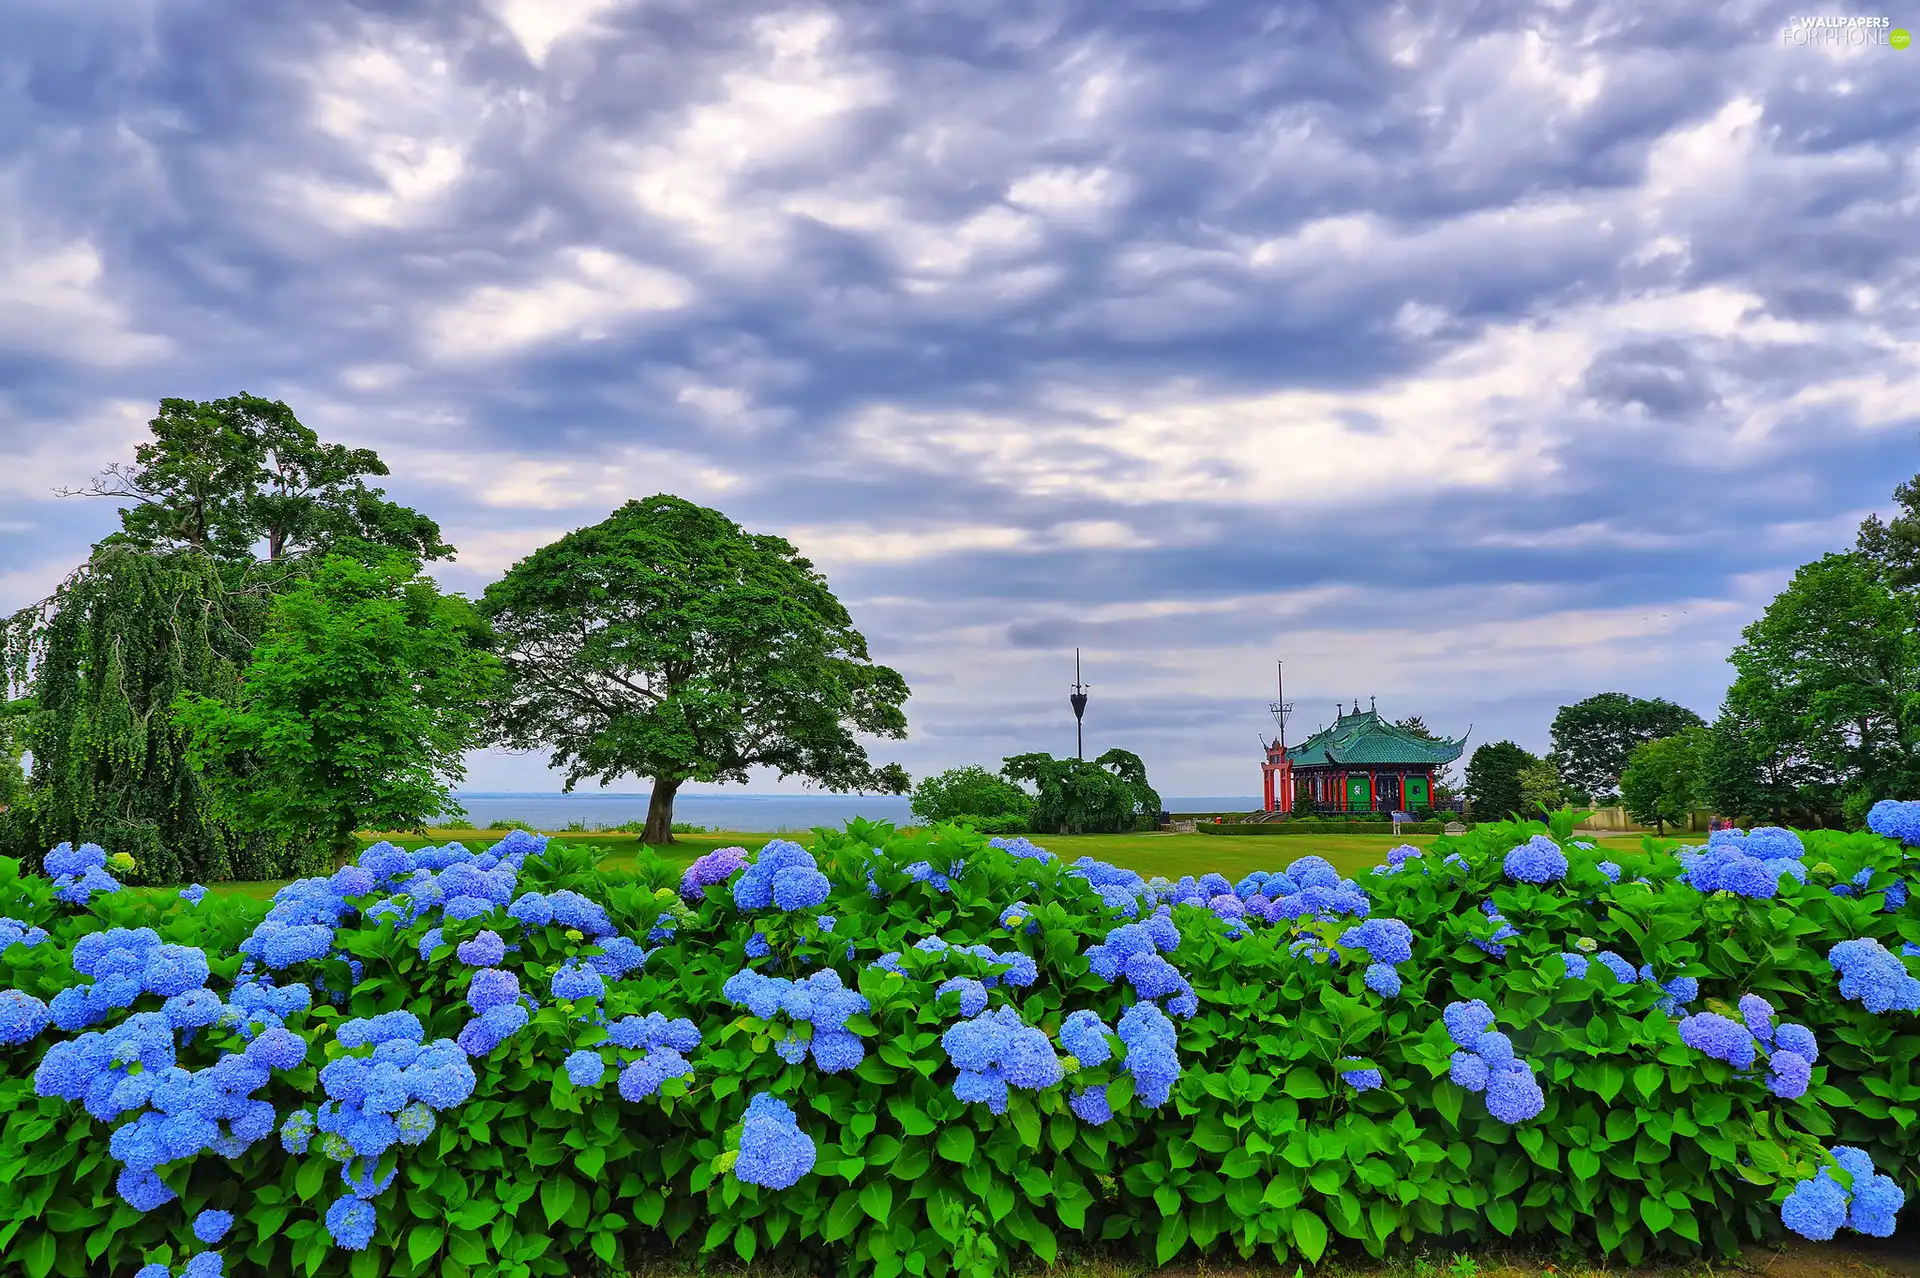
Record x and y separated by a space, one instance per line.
924 1054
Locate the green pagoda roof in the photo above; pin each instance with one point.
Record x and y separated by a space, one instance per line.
1364 738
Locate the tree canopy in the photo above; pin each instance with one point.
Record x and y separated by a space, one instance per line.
1494 789
1661 784
1077 796
666 642
969 791
354 712
1828 685
1892 549
1593 738
241 479
1541 789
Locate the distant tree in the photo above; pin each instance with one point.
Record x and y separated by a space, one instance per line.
354 713
969 791
1829 678
1662 782
1494 789
1104 796
666 642
1539 788
1892 550
1592 738
241 479
1414 725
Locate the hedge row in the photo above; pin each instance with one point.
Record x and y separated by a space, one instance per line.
989 1057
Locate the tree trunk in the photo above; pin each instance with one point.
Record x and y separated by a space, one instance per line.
659 829
346 844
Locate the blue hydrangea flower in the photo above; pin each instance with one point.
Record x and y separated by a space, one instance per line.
350 1221
1816 1208
1152 1056
1383 980
1361 1080
1538 860
1576 965
1085 1036
774 1152
1717 1036
1385 940
1513 1093
1611 869
1896 819
211 1226
1874 976
585 1068
485 949
1788 1074
578 983
1466 1022
1798 1039
22 1017
1091 1106
973 995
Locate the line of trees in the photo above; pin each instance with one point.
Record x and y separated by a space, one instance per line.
255 665
1822 719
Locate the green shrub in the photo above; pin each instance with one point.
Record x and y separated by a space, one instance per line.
969 794
1263 1149
1007 823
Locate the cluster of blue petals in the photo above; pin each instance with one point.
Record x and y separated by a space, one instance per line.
820 1001
1820 1207
1875 976
774 1152
1485 1062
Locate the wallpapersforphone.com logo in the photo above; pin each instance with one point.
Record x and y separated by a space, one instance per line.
1845 33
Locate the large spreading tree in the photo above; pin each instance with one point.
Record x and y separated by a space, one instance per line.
666 642
228 504
970 791
1592 739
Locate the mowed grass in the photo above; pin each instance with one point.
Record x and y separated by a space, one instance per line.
1171 855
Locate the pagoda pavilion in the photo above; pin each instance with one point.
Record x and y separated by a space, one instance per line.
1361 763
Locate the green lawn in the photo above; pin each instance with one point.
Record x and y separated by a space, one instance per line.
1172 855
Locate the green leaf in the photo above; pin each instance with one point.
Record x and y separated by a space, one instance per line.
1171 1238
842 1216
912 1119
38 1255
1584 1163
745 1242
1503 1215
556 1197
423 1242
1658 1215
956 1144
877 1200
1309 1234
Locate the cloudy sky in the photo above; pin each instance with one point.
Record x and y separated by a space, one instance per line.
1473 356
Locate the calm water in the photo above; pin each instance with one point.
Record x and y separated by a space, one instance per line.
758 813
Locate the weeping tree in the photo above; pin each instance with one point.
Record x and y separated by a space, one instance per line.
105 656
1104 796
229 503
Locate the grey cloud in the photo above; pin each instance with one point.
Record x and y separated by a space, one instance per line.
173 142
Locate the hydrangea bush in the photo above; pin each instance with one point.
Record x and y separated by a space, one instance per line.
931 1053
